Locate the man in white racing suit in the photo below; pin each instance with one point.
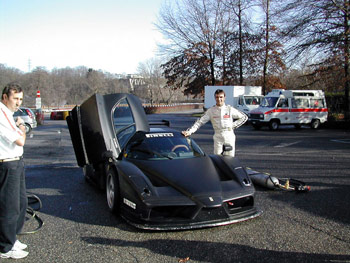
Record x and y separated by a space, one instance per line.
224 119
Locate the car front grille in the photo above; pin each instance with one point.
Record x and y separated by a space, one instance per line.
256 116
197 214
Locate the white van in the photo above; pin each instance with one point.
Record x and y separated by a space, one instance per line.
286 107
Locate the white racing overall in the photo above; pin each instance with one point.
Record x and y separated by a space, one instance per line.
224 120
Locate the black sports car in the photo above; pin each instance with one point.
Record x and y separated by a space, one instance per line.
154 176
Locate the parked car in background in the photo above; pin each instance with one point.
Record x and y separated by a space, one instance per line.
39 116
28 117
58 114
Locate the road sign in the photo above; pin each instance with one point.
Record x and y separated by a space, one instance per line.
38 100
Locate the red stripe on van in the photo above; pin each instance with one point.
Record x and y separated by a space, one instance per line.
297 110
310 110
277 110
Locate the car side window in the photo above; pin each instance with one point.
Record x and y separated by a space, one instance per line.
300 103
317 103
123 122
19 113
283 103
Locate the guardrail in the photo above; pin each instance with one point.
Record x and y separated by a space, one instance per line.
60 113
150 109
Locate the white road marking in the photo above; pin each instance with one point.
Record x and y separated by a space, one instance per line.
286 144
341 140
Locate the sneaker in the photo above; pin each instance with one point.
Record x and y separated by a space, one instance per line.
15 254
19 245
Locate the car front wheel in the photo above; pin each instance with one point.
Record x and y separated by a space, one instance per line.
112 191
273 125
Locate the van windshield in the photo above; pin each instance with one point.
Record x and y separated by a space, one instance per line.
269 102
253 100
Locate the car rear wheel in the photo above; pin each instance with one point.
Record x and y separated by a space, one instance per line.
112 191
28 128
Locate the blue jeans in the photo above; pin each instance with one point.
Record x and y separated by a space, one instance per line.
13 202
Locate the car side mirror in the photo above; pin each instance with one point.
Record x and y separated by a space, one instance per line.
226 148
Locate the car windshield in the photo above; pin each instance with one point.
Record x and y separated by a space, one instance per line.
20 112
253 100
269 102
163 146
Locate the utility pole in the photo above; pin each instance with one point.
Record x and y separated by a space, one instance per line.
29 65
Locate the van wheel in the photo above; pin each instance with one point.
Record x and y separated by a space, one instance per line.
112 191
315 124
273 125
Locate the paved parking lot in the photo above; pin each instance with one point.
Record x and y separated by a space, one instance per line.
312 227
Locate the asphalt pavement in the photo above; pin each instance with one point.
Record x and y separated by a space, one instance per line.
309 227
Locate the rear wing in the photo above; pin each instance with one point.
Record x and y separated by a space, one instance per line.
162 122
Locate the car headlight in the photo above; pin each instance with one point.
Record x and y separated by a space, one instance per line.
141 186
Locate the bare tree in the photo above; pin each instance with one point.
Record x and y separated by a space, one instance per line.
270 51
38 79
320 28
212 42
266 8
193 29
96 81
151 73
239 10
8 75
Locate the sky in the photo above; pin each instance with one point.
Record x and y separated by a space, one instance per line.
109 35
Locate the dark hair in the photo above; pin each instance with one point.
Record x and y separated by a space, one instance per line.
12 86
218 91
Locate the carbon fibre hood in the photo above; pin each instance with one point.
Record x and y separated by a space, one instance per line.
197 178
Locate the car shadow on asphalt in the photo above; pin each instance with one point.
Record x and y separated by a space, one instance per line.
326 200
65 194
206 251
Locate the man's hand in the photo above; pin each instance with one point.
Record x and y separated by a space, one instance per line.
19 121
20 124
185 133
